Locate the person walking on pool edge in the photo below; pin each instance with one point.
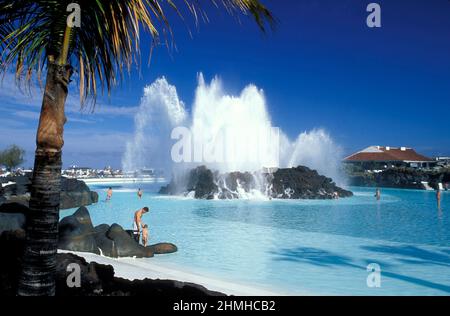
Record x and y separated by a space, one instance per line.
137 224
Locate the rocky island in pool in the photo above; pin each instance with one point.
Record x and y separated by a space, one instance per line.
284 183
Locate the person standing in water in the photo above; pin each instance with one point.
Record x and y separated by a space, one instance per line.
139 193
438 198
145 235
378 194
137 223
109 194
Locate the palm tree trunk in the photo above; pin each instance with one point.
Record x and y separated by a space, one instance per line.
39 261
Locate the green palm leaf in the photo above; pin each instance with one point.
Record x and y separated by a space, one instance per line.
106 45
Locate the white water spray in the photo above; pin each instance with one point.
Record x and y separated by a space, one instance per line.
316 150
160 111
213 111
244 123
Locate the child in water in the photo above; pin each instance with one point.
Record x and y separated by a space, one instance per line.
145 235
109 194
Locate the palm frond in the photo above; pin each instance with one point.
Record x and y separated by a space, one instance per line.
106 45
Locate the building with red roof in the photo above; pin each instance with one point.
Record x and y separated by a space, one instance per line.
379 157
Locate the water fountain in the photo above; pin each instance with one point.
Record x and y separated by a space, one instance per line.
226 133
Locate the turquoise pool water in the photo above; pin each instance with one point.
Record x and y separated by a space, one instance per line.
300 247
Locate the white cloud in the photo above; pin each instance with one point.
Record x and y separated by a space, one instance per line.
32 97
90 138
27 115
81 146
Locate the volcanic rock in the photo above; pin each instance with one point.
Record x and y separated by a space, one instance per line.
290 183
74 193
76 232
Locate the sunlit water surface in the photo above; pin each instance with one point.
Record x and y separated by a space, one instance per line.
299 247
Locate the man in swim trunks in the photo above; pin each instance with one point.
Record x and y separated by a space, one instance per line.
137 224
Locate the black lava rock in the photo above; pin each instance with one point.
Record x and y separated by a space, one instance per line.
105 244
76 233
289 183
125 245
96 279
304 183
74 193
401 178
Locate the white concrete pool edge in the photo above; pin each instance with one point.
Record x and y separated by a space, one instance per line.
139 269
105 181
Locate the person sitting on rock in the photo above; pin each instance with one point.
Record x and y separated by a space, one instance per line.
138 222
144 234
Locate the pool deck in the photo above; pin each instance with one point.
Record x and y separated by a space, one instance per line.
121 180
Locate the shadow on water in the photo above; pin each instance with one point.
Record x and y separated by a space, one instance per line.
447 251
413 254
323 258
313 256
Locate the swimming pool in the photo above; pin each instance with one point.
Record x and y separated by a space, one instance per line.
299 247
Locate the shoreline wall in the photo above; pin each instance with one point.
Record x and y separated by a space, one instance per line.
401 178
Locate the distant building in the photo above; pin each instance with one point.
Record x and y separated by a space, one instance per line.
443 161
147 172
78 172
378 158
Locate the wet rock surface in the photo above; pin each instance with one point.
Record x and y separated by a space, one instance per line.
163 248
304 183
290 183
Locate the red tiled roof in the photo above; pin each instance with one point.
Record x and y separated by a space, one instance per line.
383 154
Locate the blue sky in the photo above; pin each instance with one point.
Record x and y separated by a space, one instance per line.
321 68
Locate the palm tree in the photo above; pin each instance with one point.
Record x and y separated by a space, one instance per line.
36 36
